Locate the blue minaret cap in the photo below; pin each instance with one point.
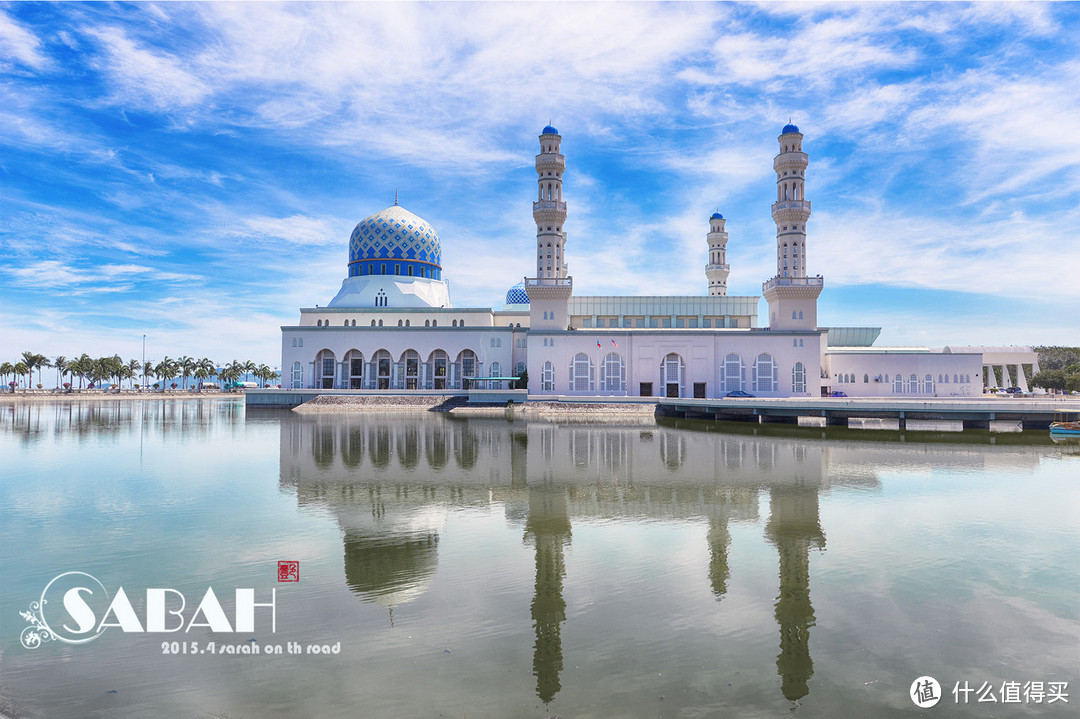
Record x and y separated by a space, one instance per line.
716 216
549 130
789 128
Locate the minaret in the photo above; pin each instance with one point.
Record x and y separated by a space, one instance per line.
549 292
791 209
717 270
791 294
549 211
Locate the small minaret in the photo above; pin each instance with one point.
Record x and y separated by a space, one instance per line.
791 209
717 270
791 294
549 211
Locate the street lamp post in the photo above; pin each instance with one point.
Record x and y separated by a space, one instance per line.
143 360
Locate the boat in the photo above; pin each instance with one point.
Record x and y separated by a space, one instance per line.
1066 422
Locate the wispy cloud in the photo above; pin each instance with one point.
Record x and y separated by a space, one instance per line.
166 159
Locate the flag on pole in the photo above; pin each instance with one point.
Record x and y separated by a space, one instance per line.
598 345
614 344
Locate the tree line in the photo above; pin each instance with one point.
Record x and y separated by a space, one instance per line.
95 372
1059 369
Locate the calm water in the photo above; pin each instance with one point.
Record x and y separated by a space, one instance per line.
488 568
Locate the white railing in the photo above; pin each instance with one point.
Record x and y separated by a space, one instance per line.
792 204
549 281
794 282
549 205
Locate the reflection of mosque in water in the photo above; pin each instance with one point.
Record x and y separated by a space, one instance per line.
391 483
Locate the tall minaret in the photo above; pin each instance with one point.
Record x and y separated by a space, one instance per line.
791 294
791 209
549 211
717 269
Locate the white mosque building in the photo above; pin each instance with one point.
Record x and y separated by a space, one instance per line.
392 325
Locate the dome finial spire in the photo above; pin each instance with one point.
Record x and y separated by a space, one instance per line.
395 196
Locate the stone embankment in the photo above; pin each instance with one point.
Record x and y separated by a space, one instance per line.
377 403
563 411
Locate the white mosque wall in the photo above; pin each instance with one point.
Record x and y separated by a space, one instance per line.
683 363
902 373
393 357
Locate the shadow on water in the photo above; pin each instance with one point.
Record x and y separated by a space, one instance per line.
390 482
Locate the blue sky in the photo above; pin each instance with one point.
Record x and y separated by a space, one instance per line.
192 171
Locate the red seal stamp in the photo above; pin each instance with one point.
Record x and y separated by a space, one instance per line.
288 571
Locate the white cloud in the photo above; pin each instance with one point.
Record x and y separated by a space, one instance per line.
19 44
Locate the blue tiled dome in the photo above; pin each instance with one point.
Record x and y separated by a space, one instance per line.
549 130
516 295
716 216
789 128
396 234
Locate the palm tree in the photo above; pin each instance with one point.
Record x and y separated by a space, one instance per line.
86 368
204 369
186 365
42 362
249 368
132 370
60 363
20 370
5 369
147 369
30 361
230 373
165 370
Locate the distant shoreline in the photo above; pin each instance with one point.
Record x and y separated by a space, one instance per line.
76 396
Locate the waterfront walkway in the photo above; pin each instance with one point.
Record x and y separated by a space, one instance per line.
1002 414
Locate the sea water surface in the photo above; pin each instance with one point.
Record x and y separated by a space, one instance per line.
497 568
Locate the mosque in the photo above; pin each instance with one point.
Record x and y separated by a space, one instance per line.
392 326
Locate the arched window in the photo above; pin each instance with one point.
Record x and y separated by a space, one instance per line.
301 341
345 323
453 323
898 385
325 368
427 323
673 375
581 373
548 377
495 370
794 343
800 314
318 323
613 374
800 343
383 369
408 323
467 363
434 323
399 323
519 369
793 314
913 384
866 379
354 323
798 378
373 323
928 384
380 323
440 363
764 373
410 362
354 361
293 341
733 373
297 375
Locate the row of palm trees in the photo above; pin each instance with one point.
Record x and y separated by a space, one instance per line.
96 371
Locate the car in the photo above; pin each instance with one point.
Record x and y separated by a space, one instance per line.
738 393
838 394
1014 390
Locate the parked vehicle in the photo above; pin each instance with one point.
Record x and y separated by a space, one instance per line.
738 393
838 394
